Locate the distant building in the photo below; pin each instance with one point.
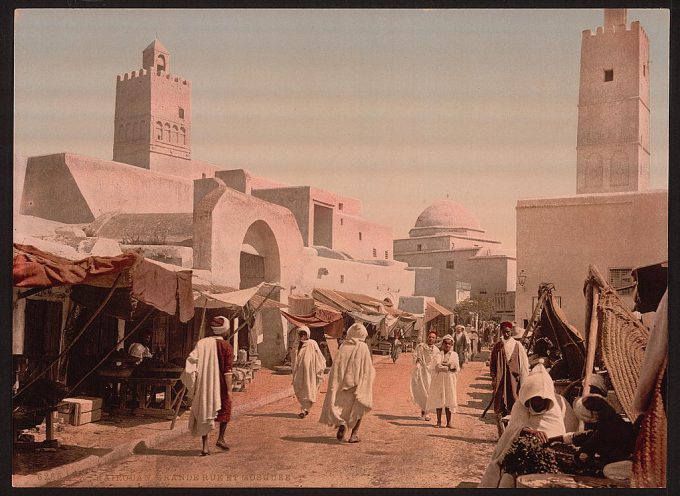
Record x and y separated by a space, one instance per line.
613 222
231 227
454 260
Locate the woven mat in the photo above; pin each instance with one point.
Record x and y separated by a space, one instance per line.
622 344
649 457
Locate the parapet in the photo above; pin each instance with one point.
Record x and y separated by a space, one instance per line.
147 72
620 30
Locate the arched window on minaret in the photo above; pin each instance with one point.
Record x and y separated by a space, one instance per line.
182 136
167 132
175 134
594 170
160 63
159 131
618 169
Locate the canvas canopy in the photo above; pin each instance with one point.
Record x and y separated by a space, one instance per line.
164 287
335 300
434 310
237 299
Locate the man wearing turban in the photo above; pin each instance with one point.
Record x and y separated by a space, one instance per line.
442 393
423 357
509 365
350 385
207 376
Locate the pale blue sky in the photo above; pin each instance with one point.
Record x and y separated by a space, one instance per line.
395 107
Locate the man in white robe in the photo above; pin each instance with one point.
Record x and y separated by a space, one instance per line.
423 358
308 371
442 392
203 380
350 385
539 411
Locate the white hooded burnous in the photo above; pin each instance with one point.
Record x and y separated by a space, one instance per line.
350 382
423 358
308 370
557 419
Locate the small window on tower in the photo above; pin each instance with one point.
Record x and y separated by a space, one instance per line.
375 253
342 221
180 112
387 255
644 69
608 75
359 236
419 247
450 264
340 206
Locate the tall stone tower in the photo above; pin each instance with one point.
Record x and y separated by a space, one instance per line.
612 147
153 115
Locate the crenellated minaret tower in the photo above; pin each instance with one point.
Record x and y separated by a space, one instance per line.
153 115
612 150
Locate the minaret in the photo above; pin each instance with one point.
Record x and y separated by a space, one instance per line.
612 149
153 115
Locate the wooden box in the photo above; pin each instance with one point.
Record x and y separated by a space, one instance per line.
81 410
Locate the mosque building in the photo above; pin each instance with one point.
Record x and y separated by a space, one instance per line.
454 260
231 227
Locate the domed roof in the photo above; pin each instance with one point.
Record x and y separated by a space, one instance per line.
448 213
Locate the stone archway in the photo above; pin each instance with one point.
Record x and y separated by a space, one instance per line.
259 259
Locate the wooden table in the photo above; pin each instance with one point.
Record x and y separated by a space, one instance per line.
145 391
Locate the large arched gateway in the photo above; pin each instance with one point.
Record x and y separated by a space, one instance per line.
259 259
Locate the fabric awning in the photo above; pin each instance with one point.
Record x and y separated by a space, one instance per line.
323 317
33 267
335 300
237 299
166 288
376 320
434 310
361 299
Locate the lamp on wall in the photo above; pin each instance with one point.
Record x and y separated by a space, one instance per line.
522 279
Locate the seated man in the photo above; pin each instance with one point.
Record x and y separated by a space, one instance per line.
540 412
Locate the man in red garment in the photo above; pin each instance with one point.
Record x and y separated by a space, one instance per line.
509 365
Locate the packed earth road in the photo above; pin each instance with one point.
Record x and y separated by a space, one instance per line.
272 447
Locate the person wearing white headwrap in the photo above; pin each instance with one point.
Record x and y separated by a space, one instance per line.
208 377
442 392
307 371
423 358
350 385
539 411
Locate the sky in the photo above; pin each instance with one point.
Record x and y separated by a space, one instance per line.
398 108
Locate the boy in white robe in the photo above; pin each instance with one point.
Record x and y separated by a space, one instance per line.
423 359
307 371
442 392
350 385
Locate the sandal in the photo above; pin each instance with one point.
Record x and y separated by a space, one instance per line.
438 426
306 413
205 453
353 439
427 418
341 433
301 414
222 445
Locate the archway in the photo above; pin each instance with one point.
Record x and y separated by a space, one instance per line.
259 260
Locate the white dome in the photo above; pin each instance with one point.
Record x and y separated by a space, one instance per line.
448 213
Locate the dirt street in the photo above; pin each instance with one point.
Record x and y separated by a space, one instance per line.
273 447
